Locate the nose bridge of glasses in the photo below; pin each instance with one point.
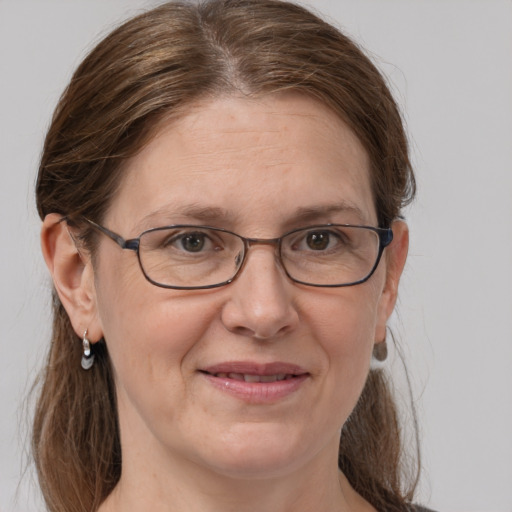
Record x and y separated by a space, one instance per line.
262 241
271 242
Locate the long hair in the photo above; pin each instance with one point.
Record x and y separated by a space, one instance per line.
150 69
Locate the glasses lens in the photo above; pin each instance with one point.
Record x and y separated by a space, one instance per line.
190 256
330 255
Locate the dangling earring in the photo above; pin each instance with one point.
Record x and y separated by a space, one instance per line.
88 356
379 355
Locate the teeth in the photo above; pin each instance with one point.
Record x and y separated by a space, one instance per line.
251 378
254 378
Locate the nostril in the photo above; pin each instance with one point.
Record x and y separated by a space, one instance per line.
244 331
261 332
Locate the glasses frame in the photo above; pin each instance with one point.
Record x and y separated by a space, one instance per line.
133 244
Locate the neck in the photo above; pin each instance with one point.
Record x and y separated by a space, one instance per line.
188 487
162 479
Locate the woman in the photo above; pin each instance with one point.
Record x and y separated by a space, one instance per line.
255 162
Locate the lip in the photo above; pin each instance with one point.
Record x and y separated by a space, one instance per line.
256 392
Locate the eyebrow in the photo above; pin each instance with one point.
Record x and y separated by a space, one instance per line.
196 212
220 216
308 214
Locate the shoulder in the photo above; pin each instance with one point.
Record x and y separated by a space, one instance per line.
419 508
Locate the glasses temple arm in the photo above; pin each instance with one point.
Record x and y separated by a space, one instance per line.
118 239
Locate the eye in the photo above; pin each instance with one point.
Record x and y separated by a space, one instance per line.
187 242
193 242
318 240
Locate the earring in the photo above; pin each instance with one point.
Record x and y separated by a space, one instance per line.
88 356
379 355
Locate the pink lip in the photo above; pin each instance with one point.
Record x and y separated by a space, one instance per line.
255 368
256 392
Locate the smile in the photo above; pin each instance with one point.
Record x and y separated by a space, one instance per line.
256 383
247 377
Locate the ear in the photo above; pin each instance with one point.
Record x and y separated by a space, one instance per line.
395 256
72 274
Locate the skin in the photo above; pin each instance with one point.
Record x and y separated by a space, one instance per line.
187 445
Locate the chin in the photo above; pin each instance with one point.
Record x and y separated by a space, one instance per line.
259 467
260 453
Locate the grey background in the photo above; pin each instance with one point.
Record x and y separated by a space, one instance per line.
450 63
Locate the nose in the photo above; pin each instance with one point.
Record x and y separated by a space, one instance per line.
261 304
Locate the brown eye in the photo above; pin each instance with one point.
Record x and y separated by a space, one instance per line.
318 240
193 242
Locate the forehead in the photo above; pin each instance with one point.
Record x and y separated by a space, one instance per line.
247 158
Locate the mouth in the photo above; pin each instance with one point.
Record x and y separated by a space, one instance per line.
250 377
255 383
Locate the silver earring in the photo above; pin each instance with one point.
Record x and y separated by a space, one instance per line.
379 355
87 356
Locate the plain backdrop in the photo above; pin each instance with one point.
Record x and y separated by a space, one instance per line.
450 65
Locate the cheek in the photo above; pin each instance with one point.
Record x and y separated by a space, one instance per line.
151 338
344 327
141 330
345 321
148 330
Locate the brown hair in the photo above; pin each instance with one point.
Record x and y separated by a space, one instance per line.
153 67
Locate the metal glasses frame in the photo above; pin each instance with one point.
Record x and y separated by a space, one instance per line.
133 244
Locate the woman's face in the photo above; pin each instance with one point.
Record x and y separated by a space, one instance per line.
259 168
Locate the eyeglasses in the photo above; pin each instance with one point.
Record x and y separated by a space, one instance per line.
188 257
